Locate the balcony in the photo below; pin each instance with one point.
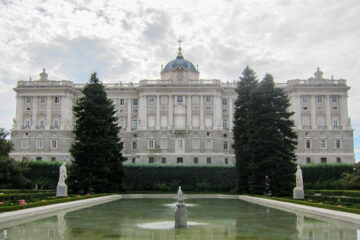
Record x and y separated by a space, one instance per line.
54 127
40 127
307 127
25 127
321 127
337 127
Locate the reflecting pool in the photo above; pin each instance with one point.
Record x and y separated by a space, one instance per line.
219 218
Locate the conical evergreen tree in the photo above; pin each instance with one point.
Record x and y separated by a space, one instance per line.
97 148
247 83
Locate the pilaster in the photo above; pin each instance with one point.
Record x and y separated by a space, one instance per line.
157 126
201 112
128 124
188 114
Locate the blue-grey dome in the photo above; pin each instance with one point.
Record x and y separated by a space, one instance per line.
179 61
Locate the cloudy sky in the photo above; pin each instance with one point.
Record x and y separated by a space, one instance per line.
130 40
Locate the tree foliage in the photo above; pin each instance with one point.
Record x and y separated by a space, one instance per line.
264 140
97 164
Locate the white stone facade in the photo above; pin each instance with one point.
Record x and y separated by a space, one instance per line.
179 118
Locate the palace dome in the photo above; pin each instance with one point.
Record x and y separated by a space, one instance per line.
179 61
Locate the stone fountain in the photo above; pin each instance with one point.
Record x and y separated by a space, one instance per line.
180 211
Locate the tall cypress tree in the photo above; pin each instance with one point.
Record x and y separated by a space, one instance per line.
97 148
242 149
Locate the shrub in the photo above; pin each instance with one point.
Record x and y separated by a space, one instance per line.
44 174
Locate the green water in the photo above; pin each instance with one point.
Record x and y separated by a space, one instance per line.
225 219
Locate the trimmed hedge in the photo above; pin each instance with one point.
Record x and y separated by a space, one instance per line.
26 195
347 193
44 174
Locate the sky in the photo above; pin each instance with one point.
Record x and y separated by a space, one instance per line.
128 41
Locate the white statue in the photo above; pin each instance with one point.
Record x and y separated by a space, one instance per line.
299 178
62 175
180 197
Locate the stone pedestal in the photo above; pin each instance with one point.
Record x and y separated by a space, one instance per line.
61 191
298 193
180 216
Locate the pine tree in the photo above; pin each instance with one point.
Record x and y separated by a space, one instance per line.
242 149
97 148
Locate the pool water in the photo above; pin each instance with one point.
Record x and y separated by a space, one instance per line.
221 219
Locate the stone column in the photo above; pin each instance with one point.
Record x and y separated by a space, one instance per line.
188 114
171 112
48 112
128 124
201 112
313 111
344 112
19 112
157 126
34 113
144 113
217 114
230 113
328 112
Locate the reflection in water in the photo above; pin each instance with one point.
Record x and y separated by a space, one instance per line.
226 220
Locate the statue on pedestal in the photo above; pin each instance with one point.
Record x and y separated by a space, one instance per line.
61 190
298 192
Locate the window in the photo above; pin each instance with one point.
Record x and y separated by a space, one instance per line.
134 124
38 158
322 143
308 160
196 160
27 123
163 143
134 145
179 98
226 145
180 143
338 159
135 102
151 159
25 144
53 144
42 124
57 99
225 126
163 160
334 99
226 161
225 102
151 98
151 144
56 123
122 123
133 160
28 99
195 143
307 144
42 99
208 160
53 159
122 101
39 143
334 107
335 123
319 99
208 98
179 160
337 143
323 160
208 144
305 98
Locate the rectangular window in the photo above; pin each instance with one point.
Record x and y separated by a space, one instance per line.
225 101
134 124
334 99
179 160
226 161
53 159
27 123
56 123
307 144
226 145
208 98
305 98
42 99
322 144
39 143
38 158
208 160
319 99
179 99
151 98
53 144
335 123
151 144
180 143
133 160
28 99
135 102
163 143
208 144
25 144
57 99
334 108
338 143
151 159
196 160
134 145
323 160
195 144
122 101
308 160
338 159
42 123
163 160
225 126
122 123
